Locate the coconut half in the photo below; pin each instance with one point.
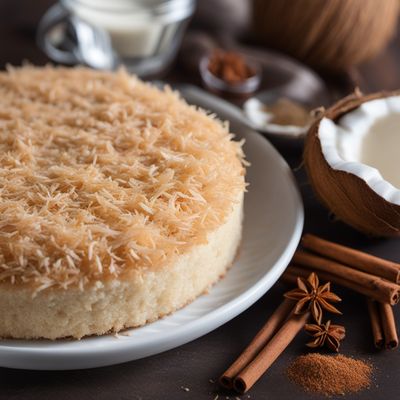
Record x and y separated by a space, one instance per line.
353 162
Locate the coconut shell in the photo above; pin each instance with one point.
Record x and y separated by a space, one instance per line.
332 35
348 196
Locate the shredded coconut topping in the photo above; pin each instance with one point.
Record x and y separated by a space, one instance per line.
101 173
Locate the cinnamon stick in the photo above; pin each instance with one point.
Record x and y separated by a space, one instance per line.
354 258
388 325
292 272
384 291
289 277
377 331
260 340
250 374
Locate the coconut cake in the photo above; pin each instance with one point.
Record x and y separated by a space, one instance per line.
119 202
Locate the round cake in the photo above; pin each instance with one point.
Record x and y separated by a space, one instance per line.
119 202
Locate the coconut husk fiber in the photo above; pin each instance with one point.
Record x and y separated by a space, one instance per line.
348 196
331 35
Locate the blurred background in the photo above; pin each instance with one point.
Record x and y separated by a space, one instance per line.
357 41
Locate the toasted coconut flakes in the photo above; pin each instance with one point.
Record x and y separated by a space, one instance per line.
99 264
146 208
70 262
101 173
90 250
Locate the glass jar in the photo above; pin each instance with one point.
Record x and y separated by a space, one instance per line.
143 35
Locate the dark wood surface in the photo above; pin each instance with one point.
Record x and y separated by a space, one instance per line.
197 364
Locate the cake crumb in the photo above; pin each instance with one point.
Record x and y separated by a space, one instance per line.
124 333
120 335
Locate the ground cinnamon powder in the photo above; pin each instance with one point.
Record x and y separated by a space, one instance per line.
330 375
229 66
288 112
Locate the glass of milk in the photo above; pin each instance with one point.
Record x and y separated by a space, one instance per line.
143 35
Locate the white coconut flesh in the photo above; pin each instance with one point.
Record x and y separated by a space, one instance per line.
366 142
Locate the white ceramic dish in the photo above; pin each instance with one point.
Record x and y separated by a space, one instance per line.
272 230
254 110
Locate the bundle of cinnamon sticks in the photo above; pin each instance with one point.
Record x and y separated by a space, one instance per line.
374 277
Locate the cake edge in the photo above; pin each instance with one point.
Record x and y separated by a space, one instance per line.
122 303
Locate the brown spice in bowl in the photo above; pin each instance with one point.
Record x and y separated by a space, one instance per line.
229 66
330 375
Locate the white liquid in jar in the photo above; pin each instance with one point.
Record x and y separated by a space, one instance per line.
134 31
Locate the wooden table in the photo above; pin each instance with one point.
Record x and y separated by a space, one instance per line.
196 365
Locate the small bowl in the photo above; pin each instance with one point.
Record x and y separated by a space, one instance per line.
261 119
221 87
309 94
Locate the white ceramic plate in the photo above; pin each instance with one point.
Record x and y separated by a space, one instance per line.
272 229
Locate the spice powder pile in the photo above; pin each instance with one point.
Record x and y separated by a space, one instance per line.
288 112
229 66
330 375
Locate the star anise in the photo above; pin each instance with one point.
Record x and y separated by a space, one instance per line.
310 296
326 334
